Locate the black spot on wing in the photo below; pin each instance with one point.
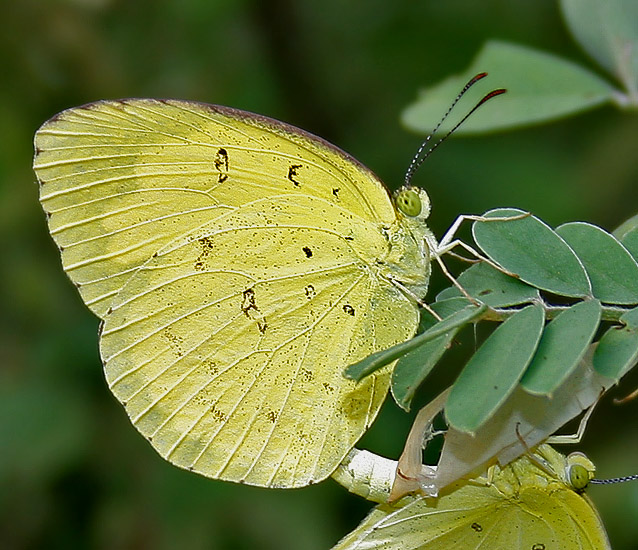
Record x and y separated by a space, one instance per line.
221 165
250 309
329 388
307 251
348 309
207 248
293 173
249 302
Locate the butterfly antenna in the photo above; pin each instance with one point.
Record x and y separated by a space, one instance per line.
614 480
420 156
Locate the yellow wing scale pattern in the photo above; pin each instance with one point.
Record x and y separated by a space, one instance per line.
239 265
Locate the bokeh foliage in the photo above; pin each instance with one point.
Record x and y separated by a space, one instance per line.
73 472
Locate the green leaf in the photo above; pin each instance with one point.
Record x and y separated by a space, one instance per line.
617 352
521 423
494 370
492 287
627 234
608 31
625 227
630 318
447 307
540 87
630 242
563 344
379 359
613 272
414 366
611 268
532 250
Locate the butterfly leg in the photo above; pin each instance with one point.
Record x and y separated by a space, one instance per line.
449 242
451 277
574 438
448 237
534 456
479 257
483 480
419 301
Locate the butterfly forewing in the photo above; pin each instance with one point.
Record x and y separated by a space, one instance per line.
121 179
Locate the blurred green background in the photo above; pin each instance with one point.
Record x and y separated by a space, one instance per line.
74 473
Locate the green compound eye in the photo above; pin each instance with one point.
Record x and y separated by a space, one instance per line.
409 202
580 471
579 477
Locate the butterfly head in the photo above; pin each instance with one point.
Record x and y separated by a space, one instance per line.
412 202
579 471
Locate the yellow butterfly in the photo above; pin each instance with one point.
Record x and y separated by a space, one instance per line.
239 265
534 503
